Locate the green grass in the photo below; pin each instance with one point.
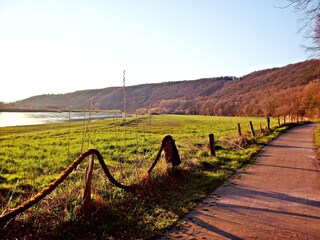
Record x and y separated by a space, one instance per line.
33 156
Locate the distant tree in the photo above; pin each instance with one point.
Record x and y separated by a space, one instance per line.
310 22
311 98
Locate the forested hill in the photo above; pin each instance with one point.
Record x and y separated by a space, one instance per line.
169 97
293 89
290 90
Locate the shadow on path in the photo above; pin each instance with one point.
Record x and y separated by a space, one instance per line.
288 146
245 192
230 206
293 168
215 229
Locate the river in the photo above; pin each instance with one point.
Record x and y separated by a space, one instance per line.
34 118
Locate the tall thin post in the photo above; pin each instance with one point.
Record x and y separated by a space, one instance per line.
125 114
239 130
252 130
279 123
2 201
87 190
268 124
212 145
137 139
260 124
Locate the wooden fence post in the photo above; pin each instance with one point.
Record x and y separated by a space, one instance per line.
170 152
268 123
279 121
239 130
284 119
212 145
87 190
2 201
252 130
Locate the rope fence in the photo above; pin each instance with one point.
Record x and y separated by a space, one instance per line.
47 190
171 155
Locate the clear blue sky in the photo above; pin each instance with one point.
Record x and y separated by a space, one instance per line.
60 46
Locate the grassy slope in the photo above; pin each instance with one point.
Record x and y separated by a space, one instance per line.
30 157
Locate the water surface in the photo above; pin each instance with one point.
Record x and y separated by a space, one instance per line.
33 118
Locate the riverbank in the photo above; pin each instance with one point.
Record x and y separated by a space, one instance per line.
35 118
18 109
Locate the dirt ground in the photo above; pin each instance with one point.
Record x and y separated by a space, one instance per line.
278 197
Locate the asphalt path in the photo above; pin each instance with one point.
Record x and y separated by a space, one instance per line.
277 197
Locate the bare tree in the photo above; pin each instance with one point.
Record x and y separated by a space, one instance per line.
316 38
310 22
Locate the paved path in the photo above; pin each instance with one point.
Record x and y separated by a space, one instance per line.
278 197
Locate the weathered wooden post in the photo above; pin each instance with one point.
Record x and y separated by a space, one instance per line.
239 130
212 145
87 190
268 123
170 151
279 121
243 139
2 201
284 119
252 129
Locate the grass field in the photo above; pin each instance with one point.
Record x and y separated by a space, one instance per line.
33 156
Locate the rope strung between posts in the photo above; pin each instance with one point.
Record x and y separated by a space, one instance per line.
171 155
45 191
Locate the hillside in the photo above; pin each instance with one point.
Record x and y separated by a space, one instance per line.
166 97
293 89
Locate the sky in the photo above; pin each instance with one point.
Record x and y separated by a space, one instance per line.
60 46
